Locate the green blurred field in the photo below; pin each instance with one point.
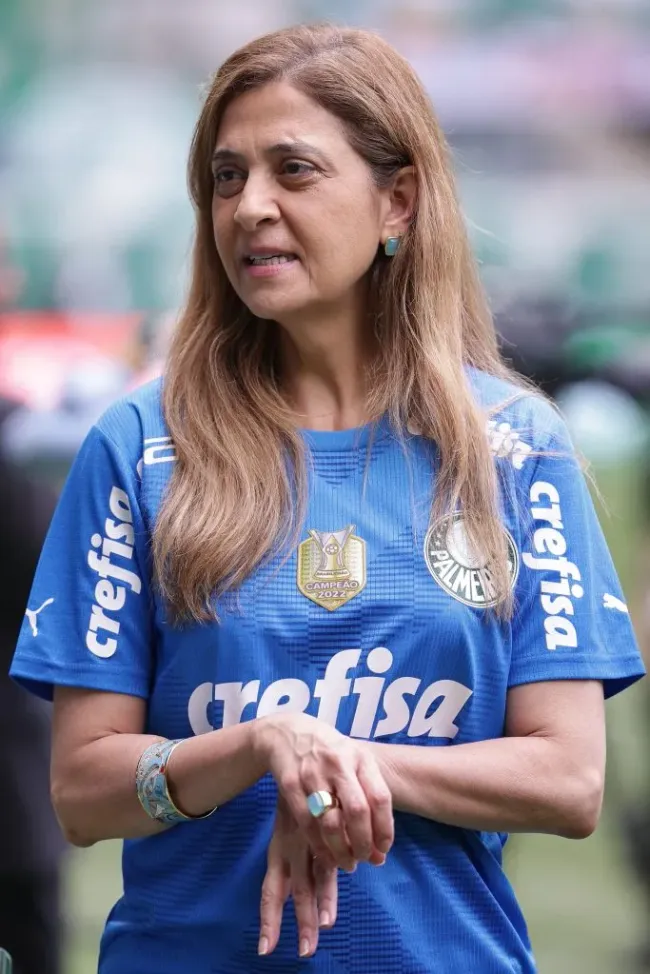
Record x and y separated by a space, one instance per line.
583 908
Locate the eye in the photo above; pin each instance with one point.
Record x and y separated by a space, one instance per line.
224 175
227 181
295 167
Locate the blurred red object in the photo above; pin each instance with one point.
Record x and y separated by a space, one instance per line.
39 350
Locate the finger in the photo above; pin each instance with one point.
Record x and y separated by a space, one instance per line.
355 816
275 891
329 828
327 890
380 804
335 837
303 891
294 795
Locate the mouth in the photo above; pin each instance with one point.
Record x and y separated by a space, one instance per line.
268 260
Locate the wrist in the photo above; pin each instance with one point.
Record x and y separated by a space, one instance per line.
258 741
212 769
155 788
256 750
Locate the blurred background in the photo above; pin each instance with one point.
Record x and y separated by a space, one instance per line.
546 104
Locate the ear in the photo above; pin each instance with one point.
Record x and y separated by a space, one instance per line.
399 203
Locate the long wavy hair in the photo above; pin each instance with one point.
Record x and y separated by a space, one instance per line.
237 495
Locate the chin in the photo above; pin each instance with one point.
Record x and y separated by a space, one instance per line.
279 311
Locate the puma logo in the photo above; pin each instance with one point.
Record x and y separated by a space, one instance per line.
32 614
611 602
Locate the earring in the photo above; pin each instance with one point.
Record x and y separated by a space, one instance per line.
392 246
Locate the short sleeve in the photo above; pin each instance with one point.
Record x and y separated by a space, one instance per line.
571 621
89 618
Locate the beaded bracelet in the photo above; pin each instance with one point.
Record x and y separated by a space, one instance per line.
152 787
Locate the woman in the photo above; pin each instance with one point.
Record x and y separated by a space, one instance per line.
336 539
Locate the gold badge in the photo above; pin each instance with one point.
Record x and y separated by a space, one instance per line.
332 567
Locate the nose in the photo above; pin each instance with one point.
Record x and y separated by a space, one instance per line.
257 204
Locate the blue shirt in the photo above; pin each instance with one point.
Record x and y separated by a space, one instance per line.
378 624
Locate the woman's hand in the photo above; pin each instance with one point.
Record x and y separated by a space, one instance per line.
293 871
304 755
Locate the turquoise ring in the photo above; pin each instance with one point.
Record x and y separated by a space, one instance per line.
320 802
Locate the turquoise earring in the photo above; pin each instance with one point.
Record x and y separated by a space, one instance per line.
392 246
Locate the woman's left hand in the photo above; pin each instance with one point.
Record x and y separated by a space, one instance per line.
293 871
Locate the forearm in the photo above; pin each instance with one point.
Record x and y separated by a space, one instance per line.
97 798
522 784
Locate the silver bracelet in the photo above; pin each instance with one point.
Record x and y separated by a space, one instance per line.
153 789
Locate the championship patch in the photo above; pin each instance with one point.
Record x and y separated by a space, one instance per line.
332 567
461 572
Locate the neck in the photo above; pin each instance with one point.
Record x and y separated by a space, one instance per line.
324 365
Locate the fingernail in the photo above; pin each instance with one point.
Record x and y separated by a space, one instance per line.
304 947
324 919
263 946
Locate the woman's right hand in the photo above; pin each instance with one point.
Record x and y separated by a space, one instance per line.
305 755
292 870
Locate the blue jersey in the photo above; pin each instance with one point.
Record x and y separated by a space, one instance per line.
380 624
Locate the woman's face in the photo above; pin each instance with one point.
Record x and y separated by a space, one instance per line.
297 216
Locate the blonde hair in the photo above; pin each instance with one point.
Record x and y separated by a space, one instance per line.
238 490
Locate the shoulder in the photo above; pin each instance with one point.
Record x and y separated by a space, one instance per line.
518 412
133 420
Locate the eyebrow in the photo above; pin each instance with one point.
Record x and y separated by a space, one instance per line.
280 148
